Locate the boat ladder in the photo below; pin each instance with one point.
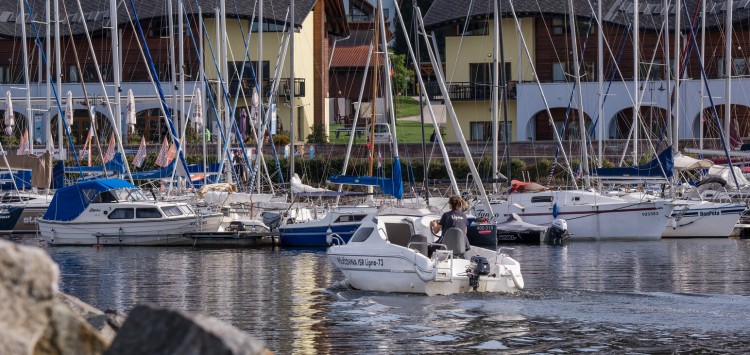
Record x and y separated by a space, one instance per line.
444 270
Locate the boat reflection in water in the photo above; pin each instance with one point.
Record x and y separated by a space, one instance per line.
611 297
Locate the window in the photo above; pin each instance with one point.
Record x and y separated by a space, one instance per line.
104 197
72 74
535 199
588 71
362 234
480 131
150 212
720 68
121 213
350 218
476 28
172 211
187 209
558 26
651 71
740 66
559 71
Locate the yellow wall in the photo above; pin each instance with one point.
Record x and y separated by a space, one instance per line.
461 51
303 64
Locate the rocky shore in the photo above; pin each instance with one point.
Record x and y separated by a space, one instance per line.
36 318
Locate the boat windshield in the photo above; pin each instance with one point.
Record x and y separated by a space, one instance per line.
132 195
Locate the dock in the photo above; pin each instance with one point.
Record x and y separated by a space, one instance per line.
234 238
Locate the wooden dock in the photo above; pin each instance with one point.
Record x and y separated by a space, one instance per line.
234 239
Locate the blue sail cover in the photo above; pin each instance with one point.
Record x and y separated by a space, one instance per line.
70 201
114 165
393 186
660 167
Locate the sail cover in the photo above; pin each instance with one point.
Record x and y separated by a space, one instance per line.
660 167
70 201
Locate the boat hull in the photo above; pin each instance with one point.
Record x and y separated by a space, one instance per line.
703 220
20 219
133 232
605 221
298 235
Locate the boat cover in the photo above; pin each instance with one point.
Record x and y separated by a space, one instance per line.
660 167
393 186
682 162
69 202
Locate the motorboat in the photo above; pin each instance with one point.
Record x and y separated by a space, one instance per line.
19 211
387 254
302 229
114 211
590 215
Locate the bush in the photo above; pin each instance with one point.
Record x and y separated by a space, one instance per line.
281 138
318 135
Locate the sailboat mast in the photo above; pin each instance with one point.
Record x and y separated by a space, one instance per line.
26 78
665 27
292 106
677 75
579 93
262 96
600 80
374 105
728 69
636 89
172 66
48 72
504 86
225 80
203 92
58 76
181 67
703 60
495 89
387 87
418 71
116 63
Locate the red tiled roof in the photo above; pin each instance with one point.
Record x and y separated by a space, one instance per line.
350 56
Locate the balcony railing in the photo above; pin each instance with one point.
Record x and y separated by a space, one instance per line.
466 91
248 84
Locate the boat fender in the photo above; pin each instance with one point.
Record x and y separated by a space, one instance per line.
517 279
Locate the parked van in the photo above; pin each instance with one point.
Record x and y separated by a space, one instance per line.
382 133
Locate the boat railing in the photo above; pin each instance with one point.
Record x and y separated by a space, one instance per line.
331 237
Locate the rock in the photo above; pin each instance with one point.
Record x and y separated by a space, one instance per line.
152 330
107 322
32 318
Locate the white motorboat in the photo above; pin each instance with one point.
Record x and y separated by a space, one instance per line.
385 254
113 211
589 215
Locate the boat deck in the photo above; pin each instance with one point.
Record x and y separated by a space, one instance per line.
234 238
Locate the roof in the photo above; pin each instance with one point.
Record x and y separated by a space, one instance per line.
70 201
619 12
97 13
350 56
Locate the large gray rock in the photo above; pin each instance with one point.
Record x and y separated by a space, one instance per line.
107 322
155 331
32 319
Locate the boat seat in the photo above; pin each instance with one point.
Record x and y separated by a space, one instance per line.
453 239
398 233
419 243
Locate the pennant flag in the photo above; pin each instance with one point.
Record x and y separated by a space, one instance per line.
110 149
140 156
171 153
197 110
161 158
380 160
87 145
23 147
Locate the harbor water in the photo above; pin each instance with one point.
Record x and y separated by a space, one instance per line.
684 295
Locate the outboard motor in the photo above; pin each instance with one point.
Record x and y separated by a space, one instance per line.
557 234
479 267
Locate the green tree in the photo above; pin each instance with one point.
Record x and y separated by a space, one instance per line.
402 76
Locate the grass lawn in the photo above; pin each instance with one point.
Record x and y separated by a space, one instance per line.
406 131
406 106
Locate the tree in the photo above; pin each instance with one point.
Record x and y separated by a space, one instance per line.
402 76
